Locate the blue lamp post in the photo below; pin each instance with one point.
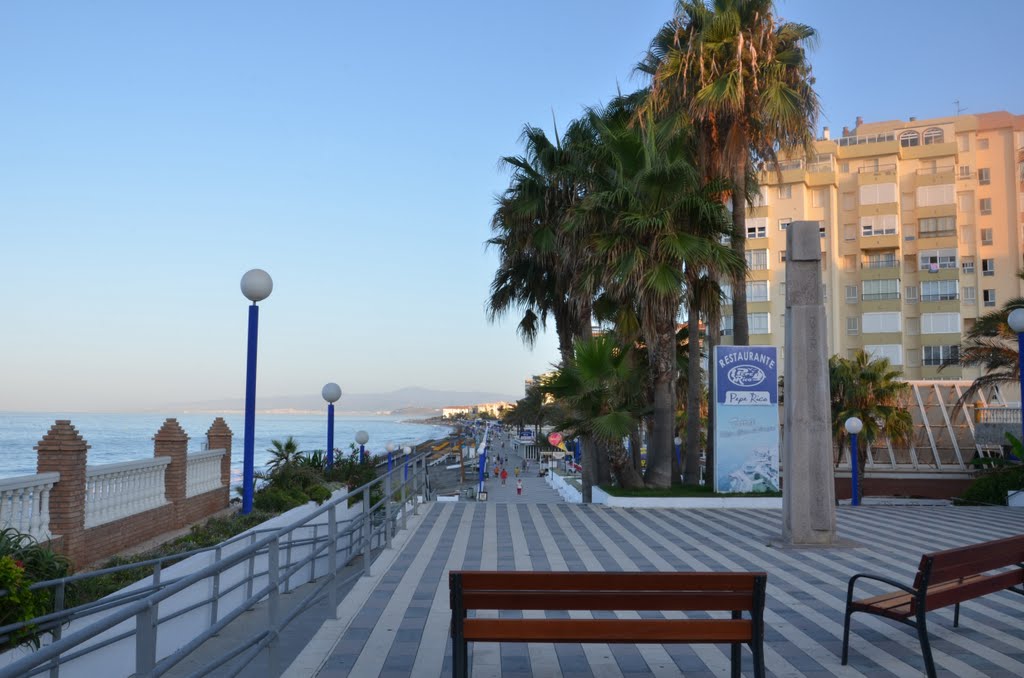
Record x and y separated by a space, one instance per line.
854 426
256 286
362 437
1016 323
331 392
408 451
483 465
390 447
579 452
679 452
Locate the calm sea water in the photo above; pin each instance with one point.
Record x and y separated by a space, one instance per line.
129 437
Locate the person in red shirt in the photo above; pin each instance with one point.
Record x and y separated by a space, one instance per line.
504 476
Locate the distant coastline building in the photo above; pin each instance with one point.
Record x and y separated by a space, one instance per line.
491 409
922 232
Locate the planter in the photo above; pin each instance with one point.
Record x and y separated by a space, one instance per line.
602 497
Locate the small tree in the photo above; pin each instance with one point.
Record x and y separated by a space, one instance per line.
872 390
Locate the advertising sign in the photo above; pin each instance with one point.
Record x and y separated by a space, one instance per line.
746 419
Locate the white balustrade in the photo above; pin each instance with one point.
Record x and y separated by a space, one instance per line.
202 473
25 503
115 491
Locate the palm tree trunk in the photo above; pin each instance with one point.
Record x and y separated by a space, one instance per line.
589 468
634 450
691 465
740 327
663 368
629 478
603 466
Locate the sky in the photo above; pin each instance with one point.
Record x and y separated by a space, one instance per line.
151 153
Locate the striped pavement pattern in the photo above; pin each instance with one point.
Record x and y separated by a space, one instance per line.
399 625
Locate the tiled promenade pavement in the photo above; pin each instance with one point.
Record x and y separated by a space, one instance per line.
397 624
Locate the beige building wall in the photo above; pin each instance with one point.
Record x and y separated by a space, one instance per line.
922 233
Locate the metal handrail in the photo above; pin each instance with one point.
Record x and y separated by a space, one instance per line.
144 610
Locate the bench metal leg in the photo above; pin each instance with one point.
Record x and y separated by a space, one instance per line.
956 615
846 627
926 648
735 656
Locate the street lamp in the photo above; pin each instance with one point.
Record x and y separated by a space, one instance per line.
408 451
331 392
390 447
256 286
1016 322
679 452
362 437
854 426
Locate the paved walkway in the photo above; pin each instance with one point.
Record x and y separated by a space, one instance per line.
396 623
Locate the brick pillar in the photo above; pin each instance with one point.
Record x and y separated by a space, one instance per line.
219 438
64 450
171 441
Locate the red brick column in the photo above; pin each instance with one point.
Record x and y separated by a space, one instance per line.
171 441
64 450
219 438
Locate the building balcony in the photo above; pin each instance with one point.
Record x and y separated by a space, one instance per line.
943 150
880 296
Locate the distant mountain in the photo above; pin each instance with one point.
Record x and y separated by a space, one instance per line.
412 400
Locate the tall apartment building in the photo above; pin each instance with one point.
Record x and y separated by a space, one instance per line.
922 232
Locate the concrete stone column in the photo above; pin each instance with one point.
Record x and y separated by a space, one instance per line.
64 450
808 503
172 441
218 437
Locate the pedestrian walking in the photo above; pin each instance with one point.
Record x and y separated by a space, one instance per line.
519 486
517 471
504 476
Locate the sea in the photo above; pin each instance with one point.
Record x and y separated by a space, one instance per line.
120 437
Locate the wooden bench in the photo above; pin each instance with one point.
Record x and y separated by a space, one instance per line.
734 592
943 578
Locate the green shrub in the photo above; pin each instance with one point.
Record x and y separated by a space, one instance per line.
992 487
319 494
24 562
279 499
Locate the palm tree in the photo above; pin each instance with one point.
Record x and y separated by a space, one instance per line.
536 271
873 391
656 211
741 76
282 454
603 397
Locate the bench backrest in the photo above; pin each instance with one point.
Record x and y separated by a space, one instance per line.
955 564
680 591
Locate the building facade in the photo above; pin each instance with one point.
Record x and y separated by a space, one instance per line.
922 232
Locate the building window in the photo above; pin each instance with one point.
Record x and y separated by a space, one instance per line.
932 135
939 290
988 266
936 227
930 196
894 352
982 144
783 223
851 294
880 260
935 260
851 325
985 205
940 323
757 231
967 265
782 256
759 323
966 235
908 139
757 290
964 171
849 262
880 224
988 297
785 192
757 260
818 197
821 232
726 325
970 296
984 176
963 142
911 294
986 236
941 355
877 194
881 322
913 326
877 290
849 231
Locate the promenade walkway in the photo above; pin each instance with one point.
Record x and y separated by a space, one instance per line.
396 622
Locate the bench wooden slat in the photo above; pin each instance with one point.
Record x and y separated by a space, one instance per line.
605 600
975 587
609 630
608 581
965 560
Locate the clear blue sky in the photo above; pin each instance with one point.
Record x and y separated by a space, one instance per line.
151 153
